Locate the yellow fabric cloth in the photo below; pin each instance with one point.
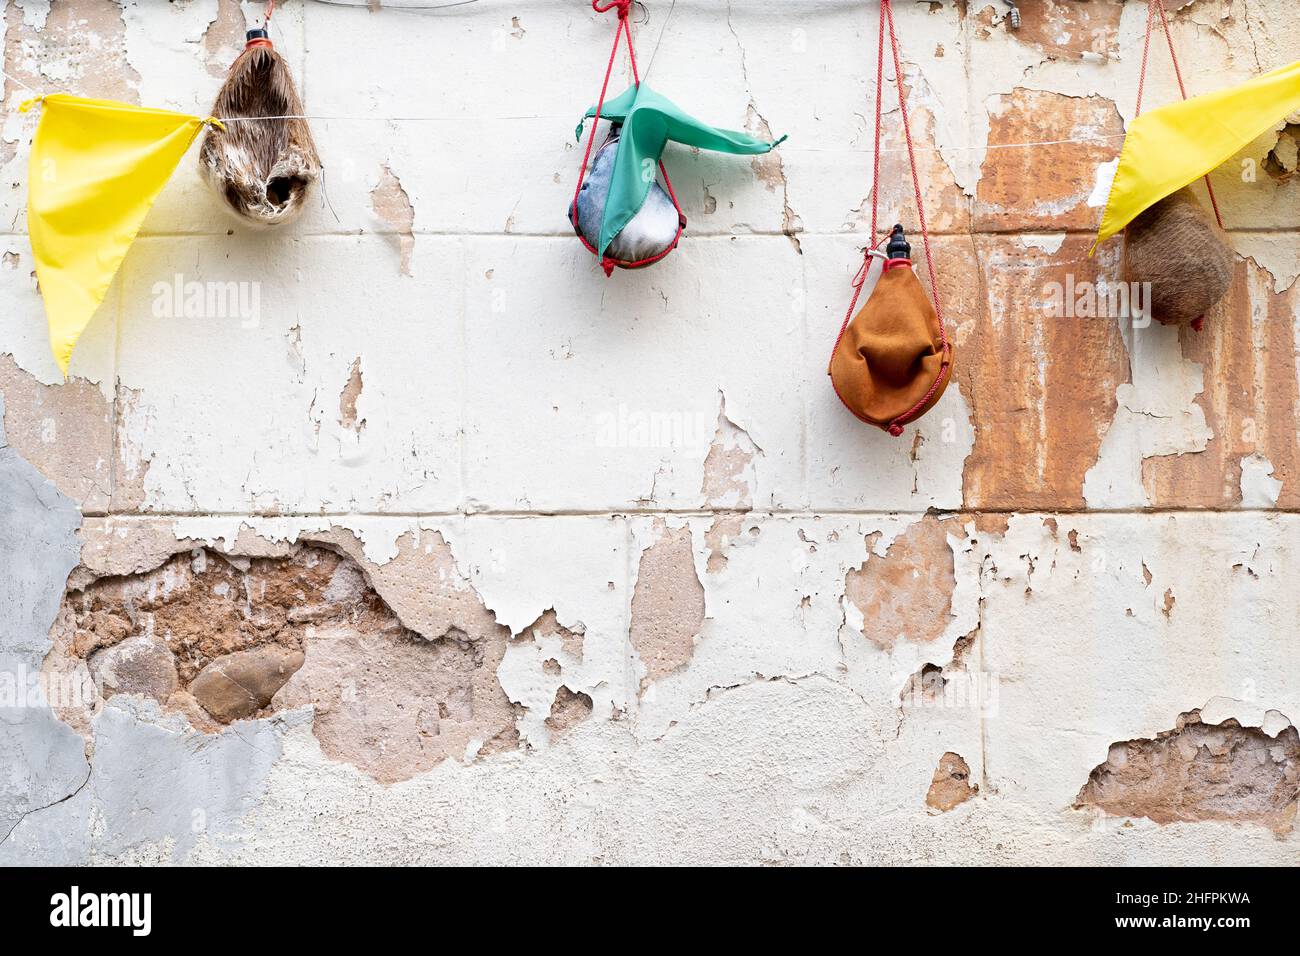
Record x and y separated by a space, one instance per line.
1174 145
96 168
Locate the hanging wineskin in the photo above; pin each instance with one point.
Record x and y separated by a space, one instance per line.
619 211
1174 254
892 361
264 163
1176 248
648 236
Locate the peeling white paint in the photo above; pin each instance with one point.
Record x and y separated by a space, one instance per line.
1105 179
1156 416
1049 242
1259 489
550 426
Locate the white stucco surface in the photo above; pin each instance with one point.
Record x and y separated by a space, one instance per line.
639 496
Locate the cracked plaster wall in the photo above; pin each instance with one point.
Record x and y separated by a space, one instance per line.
606 561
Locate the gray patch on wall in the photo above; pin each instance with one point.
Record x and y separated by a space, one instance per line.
196 787
44 759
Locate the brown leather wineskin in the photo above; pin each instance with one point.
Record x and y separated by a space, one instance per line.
892 352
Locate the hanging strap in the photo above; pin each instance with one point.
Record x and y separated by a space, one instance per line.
895 427
624 28
1154 7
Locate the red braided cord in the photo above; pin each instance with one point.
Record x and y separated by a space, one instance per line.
887 15
621 4
875 164
1146 52
1169 42
916 180
604 87
860 277
896 426
1153 7
607 263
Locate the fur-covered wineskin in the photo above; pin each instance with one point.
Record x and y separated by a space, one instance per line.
650 231
263 169
1177 247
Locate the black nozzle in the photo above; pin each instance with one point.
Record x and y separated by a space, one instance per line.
898 247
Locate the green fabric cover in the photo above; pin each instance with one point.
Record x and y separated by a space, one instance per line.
649 121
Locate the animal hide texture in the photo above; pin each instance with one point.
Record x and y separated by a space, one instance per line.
891 353
1177 247
263 169
650 232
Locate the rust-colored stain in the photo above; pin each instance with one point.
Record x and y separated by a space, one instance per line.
1247 351
1068 30
1046 187
907 593
1041 387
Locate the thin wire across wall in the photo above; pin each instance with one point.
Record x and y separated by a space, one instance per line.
371 118
366 4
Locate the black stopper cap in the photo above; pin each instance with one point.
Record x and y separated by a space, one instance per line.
898 247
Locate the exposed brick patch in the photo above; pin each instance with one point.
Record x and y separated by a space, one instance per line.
223 40
548 625
220 638
85 43
951 784
569 709
718 537
667 604
349 397
907 594
392 204
203 606
1067 30
1199 772
729 466
65 430
395 704
728 485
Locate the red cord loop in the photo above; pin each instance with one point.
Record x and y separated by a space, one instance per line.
1154 7
887 19
622 5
